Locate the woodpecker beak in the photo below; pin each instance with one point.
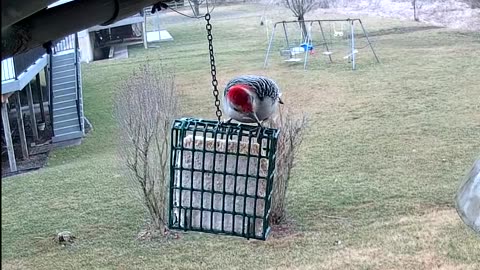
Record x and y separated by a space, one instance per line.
254 116
280 101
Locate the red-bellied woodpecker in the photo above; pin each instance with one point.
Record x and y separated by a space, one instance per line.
251 99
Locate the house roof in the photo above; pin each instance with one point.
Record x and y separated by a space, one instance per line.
59 3
32 23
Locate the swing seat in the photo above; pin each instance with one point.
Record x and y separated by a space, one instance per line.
293 60
350 55
285 53
297 50
306 46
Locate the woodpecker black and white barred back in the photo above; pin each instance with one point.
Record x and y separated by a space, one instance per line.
251 98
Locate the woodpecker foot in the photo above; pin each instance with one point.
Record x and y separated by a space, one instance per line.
222 123
257 132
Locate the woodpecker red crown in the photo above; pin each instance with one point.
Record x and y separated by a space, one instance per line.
239 96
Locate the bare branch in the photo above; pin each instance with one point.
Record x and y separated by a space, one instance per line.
299 8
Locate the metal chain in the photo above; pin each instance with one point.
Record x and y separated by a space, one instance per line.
213 68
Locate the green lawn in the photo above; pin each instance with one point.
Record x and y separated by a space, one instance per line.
384 154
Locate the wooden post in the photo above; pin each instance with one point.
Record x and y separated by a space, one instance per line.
47 81
8 138
5 97
415 16
144 29
21 127
40 96
49 90
33 118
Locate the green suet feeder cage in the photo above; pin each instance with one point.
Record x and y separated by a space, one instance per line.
221 177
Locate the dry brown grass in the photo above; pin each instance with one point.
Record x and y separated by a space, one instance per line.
410 243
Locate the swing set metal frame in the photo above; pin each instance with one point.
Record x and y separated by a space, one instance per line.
325 43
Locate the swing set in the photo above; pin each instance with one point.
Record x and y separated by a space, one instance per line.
290 51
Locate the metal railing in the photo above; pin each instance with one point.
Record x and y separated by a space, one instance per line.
50 91
77 76
65 44
16 65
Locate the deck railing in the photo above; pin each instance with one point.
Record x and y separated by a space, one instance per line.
64 44
14 66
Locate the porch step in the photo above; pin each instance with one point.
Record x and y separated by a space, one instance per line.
64 72
64 91
65 97
62 66
57 117
65 123
60 86
58 78
67 129
67 56
67 143
71 109
64 104
67 136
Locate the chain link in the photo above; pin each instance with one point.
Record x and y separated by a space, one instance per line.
213 68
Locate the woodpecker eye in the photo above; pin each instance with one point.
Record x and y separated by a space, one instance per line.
235 109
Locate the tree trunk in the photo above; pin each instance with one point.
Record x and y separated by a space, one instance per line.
302 26
415 16
196 7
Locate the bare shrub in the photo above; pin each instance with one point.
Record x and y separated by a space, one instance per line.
326 3
474 4
292 129
145 107
374 3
